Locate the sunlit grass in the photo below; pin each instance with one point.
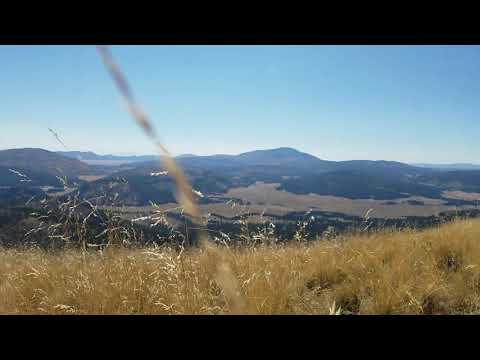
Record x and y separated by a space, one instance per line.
411 272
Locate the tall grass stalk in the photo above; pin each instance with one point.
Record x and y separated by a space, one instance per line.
185 192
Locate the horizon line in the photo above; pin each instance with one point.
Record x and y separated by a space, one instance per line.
414 163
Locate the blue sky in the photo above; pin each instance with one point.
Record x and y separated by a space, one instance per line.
405 103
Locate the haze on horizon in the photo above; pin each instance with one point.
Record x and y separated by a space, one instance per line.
415 104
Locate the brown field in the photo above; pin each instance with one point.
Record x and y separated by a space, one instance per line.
460 195
436 271
90 178
275 201
265 198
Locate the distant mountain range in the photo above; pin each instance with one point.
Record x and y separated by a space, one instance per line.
296 172
91 156
277 156
449 166
185 155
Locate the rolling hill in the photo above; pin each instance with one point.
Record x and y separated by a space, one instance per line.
42 161
25 172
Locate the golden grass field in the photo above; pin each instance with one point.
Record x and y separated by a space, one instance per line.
436 271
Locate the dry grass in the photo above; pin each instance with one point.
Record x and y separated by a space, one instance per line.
436 271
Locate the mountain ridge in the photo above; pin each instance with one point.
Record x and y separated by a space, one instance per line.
448 167
260 155
91 156
295 171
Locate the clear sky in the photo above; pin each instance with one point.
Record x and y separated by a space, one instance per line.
405 103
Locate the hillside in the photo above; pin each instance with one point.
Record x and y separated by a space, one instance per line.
359 185
435 271
42 161
21 177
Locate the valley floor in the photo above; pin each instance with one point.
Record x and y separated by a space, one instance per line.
436 271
